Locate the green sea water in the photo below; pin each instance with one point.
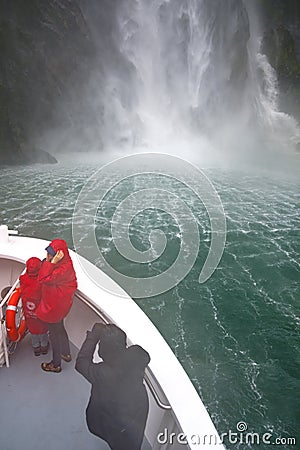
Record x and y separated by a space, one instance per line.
237 335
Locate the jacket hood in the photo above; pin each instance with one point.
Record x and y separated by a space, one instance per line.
60 244
33 266
138 357
112 342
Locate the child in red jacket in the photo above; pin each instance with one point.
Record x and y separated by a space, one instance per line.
31 296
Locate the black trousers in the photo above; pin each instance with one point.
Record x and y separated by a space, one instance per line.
59 341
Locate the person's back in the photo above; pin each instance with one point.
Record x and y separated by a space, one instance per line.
132 400
118 406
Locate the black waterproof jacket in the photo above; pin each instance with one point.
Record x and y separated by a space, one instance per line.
118 407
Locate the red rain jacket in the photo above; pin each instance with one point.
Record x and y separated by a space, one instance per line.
31 296
58 282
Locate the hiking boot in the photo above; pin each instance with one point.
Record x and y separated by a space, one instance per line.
44 350
37 351
67 358
49 367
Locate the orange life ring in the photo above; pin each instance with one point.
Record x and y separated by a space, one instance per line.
14 333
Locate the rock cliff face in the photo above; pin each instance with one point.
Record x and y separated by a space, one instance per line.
45 48
54 93
281 44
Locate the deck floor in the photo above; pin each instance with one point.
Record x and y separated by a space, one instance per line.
44 411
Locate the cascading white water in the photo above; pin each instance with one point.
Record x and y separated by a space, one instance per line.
179 51
195 72
263 84
284 126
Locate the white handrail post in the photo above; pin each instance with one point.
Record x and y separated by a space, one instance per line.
3 234
3 339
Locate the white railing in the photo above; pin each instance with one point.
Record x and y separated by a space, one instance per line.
3 332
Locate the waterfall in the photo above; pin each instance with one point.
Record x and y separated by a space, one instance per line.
138 73
278 127
194 70
284 127
185 57
182 70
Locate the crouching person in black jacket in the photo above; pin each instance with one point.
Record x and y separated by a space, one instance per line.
118 407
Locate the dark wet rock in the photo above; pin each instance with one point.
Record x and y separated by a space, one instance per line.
281 44
45 48
30 156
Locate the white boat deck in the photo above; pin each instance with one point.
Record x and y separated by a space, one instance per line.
44 411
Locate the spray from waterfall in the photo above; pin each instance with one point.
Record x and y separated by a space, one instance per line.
198 73
181 76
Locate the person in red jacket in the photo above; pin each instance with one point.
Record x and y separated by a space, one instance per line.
58 282
31 297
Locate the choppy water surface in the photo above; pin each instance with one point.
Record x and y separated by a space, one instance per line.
237 335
